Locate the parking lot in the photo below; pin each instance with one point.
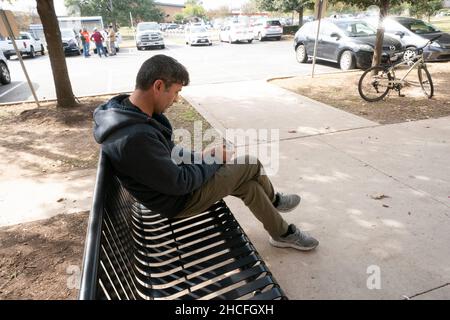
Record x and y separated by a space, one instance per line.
221 62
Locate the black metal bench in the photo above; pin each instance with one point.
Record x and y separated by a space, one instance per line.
134 253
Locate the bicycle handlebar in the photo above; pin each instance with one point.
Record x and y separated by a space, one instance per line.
431 41
419 51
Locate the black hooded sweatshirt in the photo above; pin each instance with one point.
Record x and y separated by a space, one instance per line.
140 148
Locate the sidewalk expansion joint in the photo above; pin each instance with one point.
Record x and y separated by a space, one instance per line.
309 136
424 292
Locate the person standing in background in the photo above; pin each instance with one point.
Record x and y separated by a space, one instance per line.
98 39
83 43
86 45
111 41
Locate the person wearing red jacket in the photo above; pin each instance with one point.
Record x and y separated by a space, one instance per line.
98 40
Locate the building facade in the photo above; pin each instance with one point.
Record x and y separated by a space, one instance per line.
169 9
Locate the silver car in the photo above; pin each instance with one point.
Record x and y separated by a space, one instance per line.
414 33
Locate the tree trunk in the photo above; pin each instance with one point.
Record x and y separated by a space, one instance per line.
63 88
300 16
380 34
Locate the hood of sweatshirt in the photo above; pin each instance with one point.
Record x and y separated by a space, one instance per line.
114 115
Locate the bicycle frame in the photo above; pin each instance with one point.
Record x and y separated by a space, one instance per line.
401 81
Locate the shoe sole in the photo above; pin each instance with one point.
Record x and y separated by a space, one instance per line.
291 209
290 245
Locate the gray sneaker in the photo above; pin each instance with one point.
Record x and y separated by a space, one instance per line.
299 240
287 202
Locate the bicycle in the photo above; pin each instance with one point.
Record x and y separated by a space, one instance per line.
376 82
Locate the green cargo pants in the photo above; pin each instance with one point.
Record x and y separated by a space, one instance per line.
246 182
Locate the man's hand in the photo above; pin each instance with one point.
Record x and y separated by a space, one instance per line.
219 153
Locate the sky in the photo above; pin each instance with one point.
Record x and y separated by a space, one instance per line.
26 5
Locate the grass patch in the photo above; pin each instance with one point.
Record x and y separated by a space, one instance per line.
442 23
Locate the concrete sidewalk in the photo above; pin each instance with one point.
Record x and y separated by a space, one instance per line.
377 197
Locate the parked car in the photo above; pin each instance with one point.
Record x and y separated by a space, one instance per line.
414 33
172 26
236 32
148 35
267 28
71 42
5 76
197 34
26 43
349 42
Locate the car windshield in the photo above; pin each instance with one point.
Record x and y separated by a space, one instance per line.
239 26
67 34
419 26
356 28
273 23
150 26
198 30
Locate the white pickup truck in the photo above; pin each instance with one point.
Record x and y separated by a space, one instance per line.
26 44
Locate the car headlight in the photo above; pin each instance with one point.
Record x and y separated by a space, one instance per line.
365 47
435 45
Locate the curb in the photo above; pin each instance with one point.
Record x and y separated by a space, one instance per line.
55 99
317 74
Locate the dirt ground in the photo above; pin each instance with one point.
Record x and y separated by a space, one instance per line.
40 260
340 90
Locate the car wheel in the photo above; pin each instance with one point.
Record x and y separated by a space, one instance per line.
409 54
32 54
163 46
210 43
250 41
5 77
347 60
301 54
42 50
278 38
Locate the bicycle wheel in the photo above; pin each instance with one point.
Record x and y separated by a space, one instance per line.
374 84
425 81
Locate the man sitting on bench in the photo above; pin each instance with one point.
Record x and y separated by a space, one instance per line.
137 138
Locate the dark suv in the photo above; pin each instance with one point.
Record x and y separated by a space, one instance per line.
348 42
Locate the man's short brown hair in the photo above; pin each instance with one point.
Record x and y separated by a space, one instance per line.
161 67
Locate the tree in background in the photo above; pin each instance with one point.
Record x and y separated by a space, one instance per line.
193 9
421 8
179 18
297 6
250 7
220 12
400 9
341 8
117 11
63 87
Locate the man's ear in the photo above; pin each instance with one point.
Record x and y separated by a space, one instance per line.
158 85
